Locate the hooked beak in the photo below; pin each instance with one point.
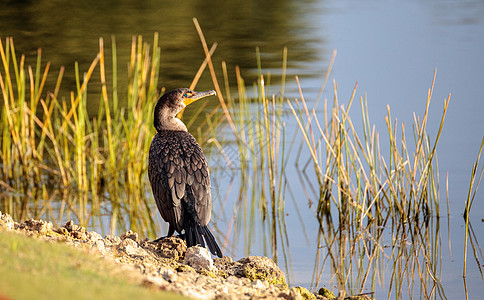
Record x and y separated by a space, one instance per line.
196 96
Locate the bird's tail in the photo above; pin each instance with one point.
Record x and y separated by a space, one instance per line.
198 235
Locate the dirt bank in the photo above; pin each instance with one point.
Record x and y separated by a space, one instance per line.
168 264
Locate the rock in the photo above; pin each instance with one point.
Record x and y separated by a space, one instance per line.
154 281
6 221
170 247
130 235
131 248
167 274
62 231
305 294
74 231
234 280
41 227
196 293
264 268
199 258
226 266
326 293
94 236
112 240
98 248
259 284
292 294
226 297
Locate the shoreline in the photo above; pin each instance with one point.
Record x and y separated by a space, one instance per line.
168 265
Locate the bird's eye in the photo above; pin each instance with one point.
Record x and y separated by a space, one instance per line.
185 95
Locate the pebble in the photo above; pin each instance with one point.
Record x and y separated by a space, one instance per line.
199 258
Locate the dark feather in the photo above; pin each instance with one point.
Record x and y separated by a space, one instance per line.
180 180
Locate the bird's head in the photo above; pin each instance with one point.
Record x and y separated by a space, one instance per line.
171 103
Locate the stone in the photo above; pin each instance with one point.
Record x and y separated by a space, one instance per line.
98 248
39 226
167 274
199 258
94 236
226 266
233 280
304 293
112 240
170 247
226 297
292 294
259 284
358 297
130 235
154 280
264 268
74 231
62 231
131 248
6 221
326 293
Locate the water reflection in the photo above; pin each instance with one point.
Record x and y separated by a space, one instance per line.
399 260
69 31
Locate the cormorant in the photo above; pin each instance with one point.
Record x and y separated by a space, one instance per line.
178 172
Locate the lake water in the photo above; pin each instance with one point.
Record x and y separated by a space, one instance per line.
390 48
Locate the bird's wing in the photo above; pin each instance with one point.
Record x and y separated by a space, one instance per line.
197 179
178 171
164 169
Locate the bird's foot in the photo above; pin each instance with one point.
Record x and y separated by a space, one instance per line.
159 239
181 236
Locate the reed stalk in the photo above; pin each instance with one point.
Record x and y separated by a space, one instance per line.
50 137
473 186
364 185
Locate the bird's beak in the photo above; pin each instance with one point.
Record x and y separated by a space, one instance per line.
196 96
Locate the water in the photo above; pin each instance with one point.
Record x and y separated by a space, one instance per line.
390 48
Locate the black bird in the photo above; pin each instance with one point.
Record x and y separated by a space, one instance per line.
178 172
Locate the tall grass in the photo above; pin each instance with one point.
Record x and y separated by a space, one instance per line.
469 231
258 132
369 187
261 158
49 140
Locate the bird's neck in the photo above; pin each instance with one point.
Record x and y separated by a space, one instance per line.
169 123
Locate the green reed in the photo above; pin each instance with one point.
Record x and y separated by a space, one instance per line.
95 165
259 139
469 232
51 138
369 187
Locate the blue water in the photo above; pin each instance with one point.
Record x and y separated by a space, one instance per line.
391 48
